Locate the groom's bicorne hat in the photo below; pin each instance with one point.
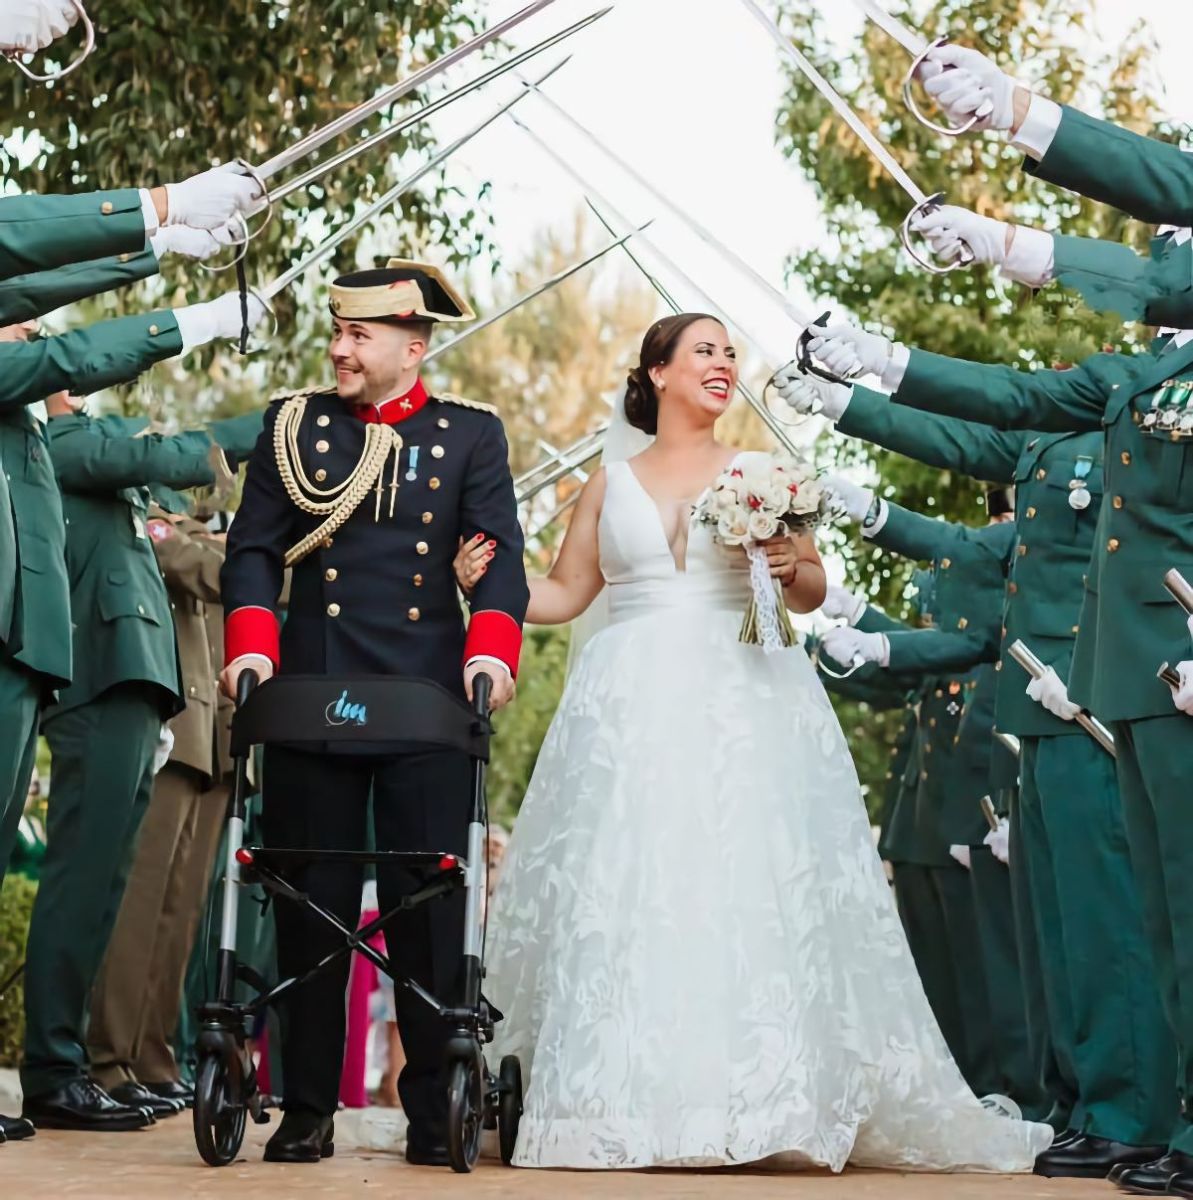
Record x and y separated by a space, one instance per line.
401 291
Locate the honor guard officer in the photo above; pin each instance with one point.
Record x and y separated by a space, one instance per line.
1128 621
1073 870
365 489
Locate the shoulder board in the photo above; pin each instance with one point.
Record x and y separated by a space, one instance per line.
278 397
448 398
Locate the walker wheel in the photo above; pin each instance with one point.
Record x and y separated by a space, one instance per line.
509 1107
220 1108
465 1113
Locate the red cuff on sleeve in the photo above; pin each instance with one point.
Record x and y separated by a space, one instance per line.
496 634
251 631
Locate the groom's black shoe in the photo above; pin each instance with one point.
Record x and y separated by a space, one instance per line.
1152 1178
15 1129
426 1149
1092 1158
302 1137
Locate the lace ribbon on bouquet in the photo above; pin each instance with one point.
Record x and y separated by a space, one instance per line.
766 624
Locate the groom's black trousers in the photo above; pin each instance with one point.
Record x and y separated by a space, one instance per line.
321 801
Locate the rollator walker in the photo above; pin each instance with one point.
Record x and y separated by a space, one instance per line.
420 715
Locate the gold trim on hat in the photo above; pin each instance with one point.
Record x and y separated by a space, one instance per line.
402 299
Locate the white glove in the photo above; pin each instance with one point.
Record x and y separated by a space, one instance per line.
192 243
854 499
803 392
961 854
842 604
211 199
1183 696
29 25
972 80
844 348
163 749
847 645
202 323
948 227
1050 692
999 841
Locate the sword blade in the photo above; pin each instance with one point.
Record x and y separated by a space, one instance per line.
797 314
319 137
533 294
326 247
878 151
912 42
1178 588
421 114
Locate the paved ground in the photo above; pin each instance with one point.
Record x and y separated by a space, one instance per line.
161 1162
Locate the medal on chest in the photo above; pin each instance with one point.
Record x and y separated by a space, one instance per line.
1170 413
1079 497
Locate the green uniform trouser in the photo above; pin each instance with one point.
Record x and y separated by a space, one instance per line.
1154 757
938 918
1122 1053
102 776
990 882
20 691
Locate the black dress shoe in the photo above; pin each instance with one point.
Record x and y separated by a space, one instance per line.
1092 1158
15 1129
83 1104
302 1137
1152 1178
1181 1184
1065 1137
426 1152
173 1089
136 1095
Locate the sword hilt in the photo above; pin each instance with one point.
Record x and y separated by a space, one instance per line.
265 205
88 45
909 97
1169 676
930 204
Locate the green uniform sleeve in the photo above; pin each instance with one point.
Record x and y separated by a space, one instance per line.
238 435
88 458
39 233
918 537
1150 180
874 620
27 296
85 360
1051 401
946 442
930 650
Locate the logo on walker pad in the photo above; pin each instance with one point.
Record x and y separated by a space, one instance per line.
344 712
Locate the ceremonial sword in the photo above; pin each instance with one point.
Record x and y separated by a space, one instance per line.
273 289
924 203
1179 589
1036 668
800 316
14 56
918 47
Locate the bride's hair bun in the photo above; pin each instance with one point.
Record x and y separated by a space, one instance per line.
658 348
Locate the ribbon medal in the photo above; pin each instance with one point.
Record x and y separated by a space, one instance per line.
1079 497
412 465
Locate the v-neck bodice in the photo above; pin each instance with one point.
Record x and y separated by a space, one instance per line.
637 561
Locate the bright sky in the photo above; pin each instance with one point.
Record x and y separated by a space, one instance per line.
686 91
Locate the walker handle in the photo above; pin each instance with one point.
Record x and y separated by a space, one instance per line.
482 687
245 682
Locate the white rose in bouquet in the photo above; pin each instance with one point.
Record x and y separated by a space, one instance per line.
762 525
733 529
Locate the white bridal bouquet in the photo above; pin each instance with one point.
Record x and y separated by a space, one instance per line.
756 499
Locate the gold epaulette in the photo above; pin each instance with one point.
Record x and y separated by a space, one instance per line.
277 397
448 398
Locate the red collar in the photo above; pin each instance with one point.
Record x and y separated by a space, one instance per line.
398 408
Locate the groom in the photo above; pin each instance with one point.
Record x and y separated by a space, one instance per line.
366 490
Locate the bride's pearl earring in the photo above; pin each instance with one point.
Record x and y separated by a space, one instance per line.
662 384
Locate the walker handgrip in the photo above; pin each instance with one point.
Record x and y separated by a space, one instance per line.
245 682
482 688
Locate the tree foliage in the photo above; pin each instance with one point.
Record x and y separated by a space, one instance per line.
966 314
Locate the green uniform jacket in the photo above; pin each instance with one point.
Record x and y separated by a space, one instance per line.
27 296
34 592
39 233
85 360
1150 180
121 615
1050 559
1129 624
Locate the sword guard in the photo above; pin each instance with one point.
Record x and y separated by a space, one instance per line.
803 356
242 248
88 45
927 205
249 234
909 98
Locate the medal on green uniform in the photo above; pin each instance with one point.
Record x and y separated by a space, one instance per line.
1079 496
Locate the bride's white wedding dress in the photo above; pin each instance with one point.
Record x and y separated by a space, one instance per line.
693 942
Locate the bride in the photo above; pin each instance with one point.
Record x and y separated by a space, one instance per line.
693 942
